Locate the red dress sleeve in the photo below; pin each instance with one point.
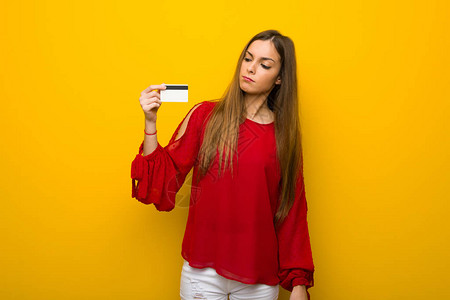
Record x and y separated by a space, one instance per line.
158 176
295 255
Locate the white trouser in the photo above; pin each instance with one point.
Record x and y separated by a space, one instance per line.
205 283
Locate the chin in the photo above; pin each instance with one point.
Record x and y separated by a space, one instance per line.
243 88
246 87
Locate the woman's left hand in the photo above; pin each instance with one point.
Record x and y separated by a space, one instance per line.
299 293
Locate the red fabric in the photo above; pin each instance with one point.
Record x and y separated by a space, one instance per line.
230 222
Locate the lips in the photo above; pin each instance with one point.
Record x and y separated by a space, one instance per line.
248 79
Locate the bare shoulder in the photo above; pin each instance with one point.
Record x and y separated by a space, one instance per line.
199 107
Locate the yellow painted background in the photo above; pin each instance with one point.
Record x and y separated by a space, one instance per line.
374 84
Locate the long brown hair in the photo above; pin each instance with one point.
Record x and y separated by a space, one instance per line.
222 129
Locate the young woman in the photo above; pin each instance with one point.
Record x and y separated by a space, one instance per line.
247 230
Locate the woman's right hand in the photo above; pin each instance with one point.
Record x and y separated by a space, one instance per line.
150 101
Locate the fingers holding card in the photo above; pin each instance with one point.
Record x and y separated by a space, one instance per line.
175 93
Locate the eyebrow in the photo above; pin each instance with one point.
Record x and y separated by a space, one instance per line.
263 58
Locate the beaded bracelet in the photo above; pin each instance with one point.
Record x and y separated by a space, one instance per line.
150 133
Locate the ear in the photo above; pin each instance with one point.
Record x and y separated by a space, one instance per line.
278 80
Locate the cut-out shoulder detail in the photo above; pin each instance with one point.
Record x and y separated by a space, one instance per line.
185 122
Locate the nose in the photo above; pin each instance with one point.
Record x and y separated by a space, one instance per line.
251 67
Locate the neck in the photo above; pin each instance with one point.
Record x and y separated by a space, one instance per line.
255 103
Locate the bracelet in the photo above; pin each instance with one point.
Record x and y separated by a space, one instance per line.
150 133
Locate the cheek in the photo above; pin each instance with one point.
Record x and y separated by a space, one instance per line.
269 78
242 68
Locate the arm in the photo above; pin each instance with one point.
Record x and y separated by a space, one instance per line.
150 141
158 175
295 256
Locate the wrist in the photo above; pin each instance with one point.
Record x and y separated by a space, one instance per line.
150 126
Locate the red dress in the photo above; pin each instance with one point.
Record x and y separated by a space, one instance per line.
230 223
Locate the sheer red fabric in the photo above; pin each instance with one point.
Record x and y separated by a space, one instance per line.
230 221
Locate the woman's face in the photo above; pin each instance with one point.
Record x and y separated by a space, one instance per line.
261 64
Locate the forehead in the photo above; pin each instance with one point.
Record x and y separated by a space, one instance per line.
260 48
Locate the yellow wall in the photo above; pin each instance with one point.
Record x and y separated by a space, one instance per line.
374 82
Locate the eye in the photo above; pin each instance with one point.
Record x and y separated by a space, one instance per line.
264 66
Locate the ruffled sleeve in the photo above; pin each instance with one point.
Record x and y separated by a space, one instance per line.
295 256
158 176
